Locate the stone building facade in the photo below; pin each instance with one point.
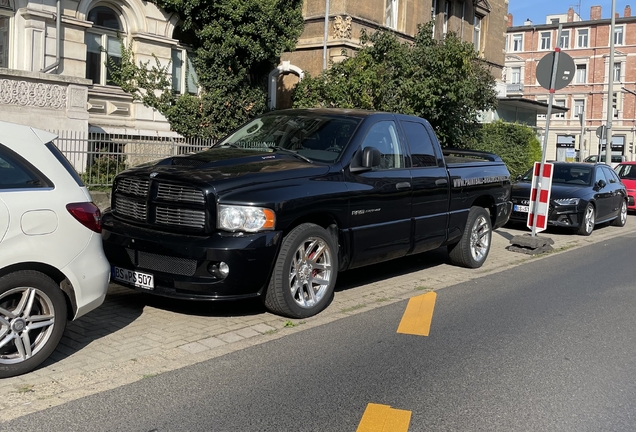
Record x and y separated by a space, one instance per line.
482 22
53 53
588 43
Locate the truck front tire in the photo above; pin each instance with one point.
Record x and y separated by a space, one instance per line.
473 248
305 272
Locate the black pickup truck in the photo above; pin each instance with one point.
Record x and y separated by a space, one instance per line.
293 197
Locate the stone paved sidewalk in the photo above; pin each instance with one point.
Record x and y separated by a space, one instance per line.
133 336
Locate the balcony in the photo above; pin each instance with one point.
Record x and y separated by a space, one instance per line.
514 89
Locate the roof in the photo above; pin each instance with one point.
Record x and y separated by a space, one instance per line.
583 23
540 107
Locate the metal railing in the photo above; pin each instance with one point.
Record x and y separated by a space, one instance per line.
99 157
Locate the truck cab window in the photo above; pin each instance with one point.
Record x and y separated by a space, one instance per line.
383 136
422 153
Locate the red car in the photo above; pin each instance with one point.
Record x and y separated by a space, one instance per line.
627 173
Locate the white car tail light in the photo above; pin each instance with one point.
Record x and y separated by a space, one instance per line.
87 214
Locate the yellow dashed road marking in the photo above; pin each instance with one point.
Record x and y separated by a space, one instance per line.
418 315
383 418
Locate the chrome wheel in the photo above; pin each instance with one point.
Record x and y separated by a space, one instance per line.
588 219
480 239
623 214
310 272
27 319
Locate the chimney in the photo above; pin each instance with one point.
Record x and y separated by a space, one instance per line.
595 13
571 15
528 22
509 20
616 15
628 12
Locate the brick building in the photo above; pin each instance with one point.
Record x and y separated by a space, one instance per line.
588 43
481 22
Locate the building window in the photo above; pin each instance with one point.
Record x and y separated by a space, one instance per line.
579 107
561 103
184 77
581 74
565 39
477 32
102 45
447 6
391 12
618 35
516 75
582 38
616 104
517 42
545 40
617 72
6 12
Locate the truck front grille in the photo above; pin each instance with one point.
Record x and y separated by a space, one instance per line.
133 186
180 217
178 193
164 205
132 209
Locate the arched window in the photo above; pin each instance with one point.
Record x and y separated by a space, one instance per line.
6 13
102 44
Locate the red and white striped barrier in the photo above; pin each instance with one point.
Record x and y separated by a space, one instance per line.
543 183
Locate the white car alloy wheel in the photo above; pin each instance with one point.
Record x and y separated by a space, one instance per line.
310 272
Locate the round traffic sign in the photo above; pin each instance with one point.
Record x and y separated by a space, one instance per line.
601 131
564 73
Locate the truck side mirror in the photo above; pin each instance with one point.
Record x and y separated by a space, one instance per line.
371 157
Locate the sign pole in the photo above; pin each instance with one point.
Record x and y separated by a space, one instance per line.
537 178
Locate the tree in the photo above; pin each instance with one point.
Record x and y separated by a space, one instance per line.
442 81
235 44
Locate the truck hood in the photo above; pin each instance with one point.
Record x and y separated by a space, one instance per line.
228 168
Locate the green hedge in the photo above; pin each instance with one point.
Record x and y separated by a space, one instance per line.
516 144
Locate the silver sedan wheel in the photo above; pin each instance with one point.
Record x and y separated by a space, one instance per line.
310 272
588 219
623 214
27 318
480 239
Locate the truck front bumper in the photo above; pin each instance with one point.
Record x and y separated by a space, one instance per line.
186 267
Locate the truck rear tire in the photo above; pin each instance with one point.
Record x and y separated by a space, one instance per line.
305 272
473 248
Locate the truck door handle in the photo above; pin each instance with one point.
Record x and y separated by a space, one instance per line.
441 182
403 185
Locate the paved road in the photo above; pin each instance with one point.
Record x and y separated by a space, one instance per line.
544 346
133 336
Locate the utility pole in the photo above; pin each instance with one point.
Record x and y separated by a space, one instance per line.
324 47
582 147
610 91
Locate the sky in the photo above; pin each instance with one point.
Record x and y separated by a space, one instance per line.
537 10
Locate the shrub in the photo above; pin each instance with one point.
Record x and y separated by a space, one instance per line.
104 168
516 144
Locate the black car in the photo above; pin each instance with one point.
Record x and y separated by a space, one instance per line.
582 195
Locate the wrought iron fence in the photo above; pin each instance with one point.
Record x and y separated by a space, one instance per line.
99 157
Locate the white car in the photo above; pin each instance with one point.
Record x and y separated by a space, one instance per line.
52 264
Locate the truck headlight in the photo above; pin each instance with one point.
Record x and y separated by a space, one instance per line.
567 201
245 218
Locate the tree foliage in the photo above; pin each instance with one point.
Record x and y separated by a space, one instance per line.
235 44
442 81
516 144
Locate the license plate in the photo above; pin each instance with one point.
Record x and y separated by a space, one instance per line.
132 277
521 208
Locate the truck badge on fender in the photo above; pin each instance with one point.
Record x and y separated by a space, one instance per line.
361 212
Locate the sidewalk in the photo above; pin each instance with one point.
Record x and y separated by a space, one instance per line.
133 336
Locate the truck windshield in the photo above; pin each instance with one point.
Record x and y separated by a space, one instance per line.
316 137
